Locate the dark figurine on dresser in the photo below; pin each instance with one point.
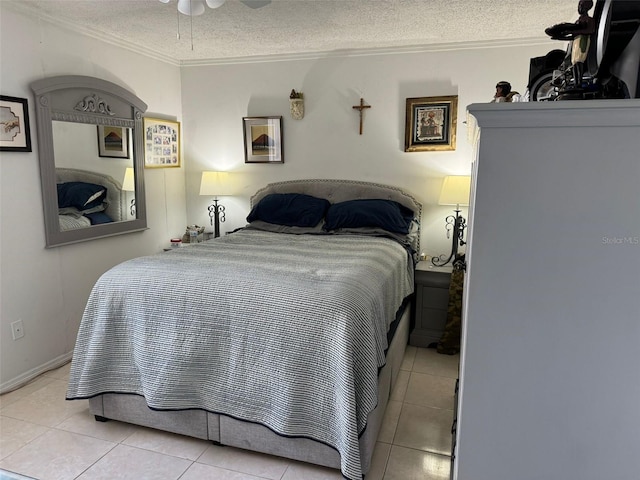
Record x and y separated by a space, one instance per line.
602 59
579 33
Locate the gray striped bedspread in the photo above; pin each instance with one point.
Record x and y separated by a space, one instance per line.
69 222
284 330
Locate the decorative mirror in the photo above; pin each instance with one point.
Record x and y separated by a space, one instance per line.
91 146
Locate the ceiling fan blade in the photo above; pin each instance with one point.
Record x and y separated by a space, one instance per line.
191 7
215 3
256 3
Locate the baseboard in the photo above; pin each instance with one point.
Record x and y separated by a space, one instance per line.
26 377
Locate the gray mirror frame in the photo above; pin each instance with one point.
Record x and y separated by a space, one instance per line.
81 99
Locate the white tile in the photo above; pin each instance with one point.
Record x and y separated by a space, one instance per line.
130 463
56 455
378 461
46 406
245 461
167 443
400 387
6 475
424 428
15 395
307 471
199 471
409 464
85 423
390 422
428 360
61 373
14 434
409 357
430 391
415 428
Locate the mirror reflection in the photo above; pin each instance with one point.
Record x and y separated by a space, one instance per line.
89 135
94 174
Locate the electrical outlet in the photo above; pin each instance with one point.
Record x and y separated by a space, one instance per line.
17 329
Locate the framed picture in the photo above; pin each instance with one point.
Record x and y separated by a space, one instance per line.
113 141
431 124
161 143
263 140
15 135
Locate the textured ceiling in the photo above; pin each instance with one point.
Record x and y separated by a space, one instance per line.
301 27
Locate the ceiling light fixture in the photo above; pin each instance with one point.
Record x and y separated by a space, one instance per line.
194 8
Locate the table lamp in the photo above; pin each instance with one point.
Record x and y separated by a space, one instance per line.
215 184
455 191
129 185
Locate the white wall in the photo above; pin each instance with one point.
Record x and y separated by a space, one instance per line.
326 143
47 288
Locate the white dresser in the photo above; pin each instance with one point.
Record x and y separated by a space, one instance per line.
550 363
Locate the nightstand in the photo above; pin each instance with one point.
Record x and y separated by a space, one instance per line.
431 303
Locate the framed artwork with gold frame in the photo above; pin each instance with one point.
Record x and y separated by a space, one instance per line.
161 143
431 124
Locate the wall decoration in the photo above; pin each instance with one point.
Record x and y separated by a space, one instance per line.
113 141
161 143
296 105
15 135
263 140
360 108
431 124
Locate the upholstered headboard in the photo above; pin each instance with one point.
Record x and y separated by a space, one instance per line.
342 190
116 197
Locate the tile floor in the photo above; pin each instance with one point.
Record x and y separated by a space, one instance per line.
46 437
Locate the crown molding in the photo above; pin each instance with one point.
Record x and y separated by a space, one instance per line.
428 48
26 9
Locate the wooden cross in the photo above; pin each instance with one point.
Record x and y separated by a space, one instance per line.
361 107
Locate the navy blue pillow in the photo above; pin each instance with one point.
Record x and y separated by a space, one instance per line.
291 209
98 217
80 195
386 214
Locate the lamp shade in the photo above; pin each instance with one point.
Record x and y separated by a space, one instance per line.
128 184
215 183
455 190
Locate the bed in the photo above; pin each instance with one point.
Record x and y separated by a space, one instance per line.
284 337
88 198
